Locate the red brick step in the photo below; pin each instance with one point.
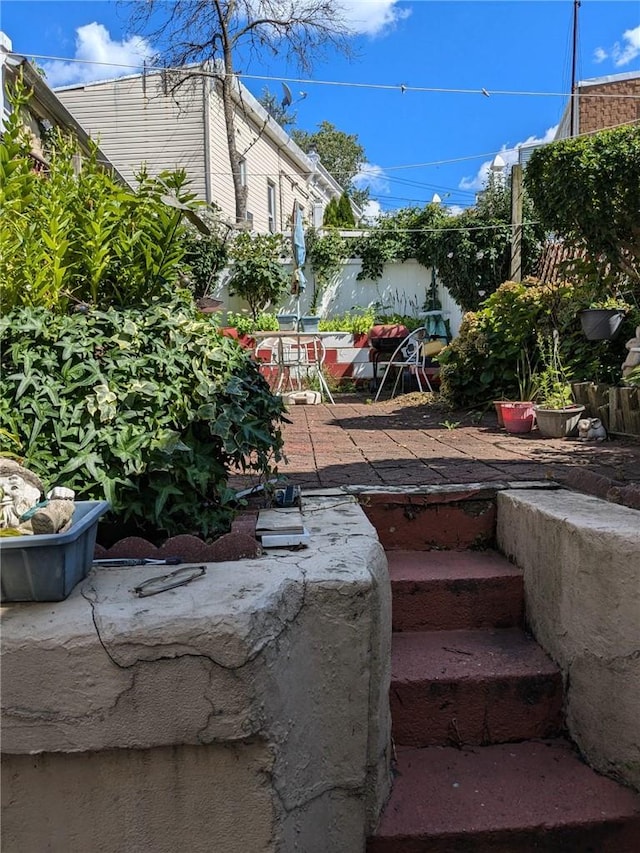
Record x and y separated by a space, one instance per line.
446 590
511 798
472 687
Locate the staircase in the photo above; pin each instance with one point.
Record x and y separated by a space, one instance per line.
481 761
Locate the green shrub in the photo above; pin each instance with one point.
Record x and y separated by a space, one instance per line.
246 325
257 275
355 323
150 409
205 255
481 364
67 238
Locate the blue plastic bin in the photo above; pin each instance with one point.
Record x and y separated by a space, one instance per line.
46 568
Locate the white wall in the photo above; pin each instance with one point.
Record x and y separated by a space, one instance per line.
402 289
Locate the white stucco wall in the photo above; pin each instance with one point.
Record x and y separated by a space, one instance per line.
402 289
581 561
245 712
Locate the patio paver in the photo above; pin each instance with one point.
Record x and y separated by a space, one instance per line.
377 444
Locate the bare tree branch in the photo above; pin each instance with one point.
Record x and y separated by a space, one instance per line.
213 31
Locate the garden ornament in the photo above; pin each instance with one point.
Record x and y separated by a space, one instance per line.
633 358
23 510
591 429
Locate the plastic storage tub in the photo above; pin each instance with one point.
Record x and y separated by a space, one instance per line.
46 568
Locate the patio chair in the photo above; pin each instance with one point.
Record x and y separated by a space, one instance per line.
292 358
411 356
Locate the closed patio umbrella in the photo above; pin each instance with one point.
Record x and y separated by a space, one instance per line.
299 282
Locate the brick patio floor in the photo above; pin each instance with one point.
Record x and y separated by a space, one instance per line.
389 444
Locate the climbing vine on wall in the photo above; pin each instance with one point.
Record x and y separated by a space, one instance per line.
471 250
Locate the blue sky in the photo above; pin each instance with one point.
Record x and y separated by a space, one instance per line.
514 45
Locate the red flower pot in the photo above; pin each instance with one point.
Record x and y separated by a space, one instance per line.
518 417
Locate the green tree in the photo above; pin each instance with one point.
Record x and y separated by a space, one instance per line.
257 275
213 33
587 190
345 212
330 217
341 154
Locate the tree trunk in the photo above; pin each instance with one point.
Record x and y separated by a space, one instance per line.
239 191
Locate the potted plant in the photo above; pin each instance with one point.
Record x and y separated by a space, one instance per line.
557 414
257 274
518 416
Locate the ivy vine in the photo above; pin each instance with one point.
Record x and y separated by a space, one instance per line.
471 250
326 254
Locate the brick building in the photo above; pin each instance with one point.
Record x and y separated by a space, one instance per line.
603 102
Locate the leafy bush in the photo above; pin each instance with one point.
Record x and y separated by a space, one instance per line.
147 408
205 255
587 190
471 251
351 322
68 238
246 325
326 253
481 364
257 275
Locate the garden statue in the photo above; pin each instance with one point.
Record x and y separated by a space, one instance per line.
591 429
633 358
23 511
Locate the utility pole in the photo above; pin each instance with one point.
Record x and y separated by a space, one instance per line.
515 273
574 57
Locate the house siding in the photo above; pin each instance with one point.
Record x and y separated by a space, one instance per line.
139 122
267 161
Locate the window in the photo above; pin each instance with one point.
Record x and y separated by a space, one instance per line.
271 206
243 172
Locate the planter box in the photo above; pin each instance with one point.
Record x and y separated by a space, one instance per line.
287 322
46 568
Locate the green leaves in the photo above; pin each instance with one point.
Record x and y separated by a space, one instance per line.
587 190
258 275
155 427
67 238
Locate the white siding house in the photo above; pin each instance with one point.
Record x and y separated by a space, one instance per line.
145 120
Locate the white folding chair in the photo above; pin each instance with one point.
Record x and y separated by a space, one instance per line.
409 356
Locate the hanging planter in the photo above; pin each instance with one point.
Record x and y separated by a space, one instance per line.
601 324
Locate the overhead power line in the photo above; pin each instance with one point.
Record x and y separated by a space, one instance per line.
402 88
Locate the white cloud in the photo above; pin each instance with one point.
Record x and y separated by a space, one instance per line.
371 177
371 211
373 17
626 52
599 55
94 44
509 155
